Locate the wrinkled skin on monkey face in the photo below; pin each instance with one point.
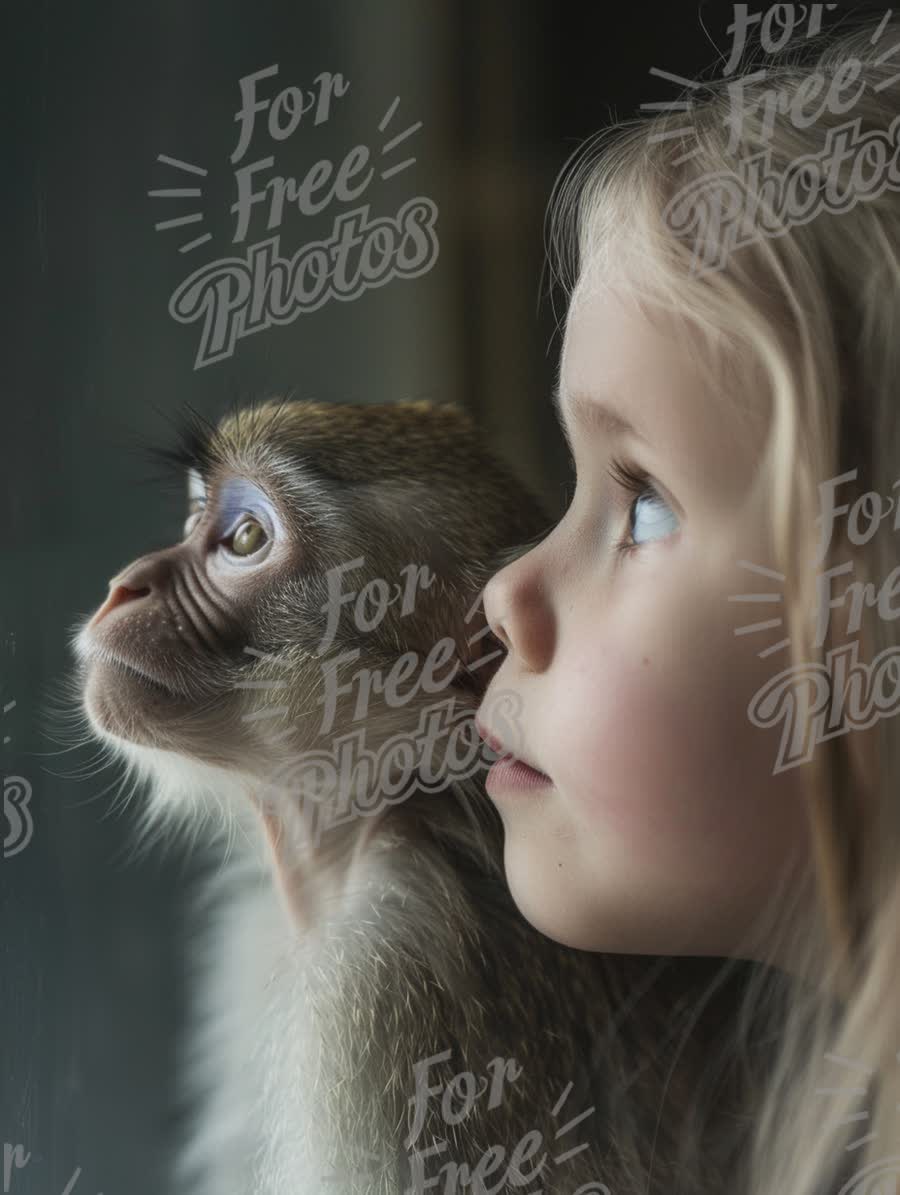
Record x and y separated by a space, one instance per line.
240 646
162 652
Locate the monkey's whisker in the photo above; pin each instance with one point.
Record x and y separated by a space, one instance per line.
262 684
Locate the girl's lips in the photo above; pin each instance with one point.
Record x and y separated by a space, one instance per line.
509 771
491 739
510 774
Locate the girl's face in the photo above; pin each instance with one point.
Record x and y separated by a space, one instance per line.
662 828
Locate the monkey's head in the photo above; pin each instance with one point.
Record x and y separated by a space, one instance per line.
326 585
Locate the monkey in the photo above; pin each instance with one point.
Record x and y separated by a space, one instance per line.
373 1014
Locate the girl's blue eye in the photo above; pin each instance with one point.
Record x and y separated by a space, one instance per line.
650 517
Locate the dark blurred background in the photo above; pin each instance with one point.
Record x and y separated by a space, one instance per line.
92 988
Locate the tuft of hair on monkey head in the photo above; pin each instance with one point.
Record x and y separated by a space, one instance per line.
305 663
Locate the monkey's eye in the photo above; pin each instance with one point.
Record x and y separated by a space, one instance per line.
249 536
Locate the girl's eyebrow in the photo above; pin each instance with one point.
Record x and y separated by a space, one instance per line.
592 412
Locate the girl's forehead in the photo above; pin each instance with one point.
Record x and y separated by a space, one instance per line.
611 340
645 369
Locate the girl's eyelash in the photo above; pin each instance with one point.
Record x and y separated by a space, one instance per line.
635 481
631 477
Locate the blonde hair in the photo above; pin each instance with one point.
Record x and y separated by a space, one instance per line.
812 309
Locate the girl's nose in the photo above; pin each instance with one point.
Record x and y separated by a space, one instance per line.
519 611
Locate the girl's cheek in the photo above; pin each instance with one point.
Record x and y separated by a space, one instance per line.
664 758
621 747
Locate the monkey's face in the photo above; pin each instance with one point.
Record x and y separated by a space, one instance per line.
325 586
162 653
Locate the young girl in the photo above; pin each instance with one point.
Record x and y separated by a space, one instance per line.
705 649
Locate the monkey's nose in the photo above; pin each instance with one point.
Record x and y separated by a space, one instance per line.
118 596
